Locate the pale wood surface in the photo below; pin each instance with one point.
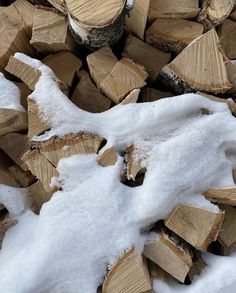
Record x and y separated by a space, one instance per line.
222 195
12 121
26 10
227 36
131 98
107 158
196 225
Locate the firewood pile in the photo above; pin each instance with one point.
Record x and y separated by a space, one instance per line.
106 53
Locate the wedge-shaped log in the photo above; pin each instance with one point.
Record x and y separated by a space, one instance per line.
128 275
171 257
87 97
222 195
152 59
65 65
12 121
125 76
50 32
215 12
197 226
137 19
107 158
26 10
187 9
101 63
227 36
205 70
173 35
131 98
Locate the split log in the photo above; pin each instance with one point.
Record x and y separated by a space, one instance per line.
50 33
222 195
227 36
173 35
128 275
96 23
25 92
26 10
151 95
36 125
169 255
187 9
87 97
107 158
197 226
205 71
125 76
23 177
231 72
101 63
152 59
12 121
64 65
197 267
59 5
215 12
13 35
137 19
233 15
131 98
5 175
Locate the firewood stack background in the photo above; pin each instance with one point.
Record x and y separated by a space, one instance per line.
105 53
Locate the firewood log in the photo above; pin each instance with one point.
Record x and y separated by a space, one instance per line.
5 223
5 175
151 95
108 157
12 121
131 98
24 91
227 36
26 10
231 72
59 5
222 195
233 15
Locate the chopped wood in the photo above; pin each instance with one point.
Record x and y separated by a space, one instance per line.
151 95
13 35
50 32
128 275
12 121
26 10
5 175
57 148
65 65
197 267
58 4
157 273
215 12
173 35
233 15
132 97
187 9
87 97
25 92
137 19
23 177
96 23
41 168
227 36
125 76
197 226
108 157
152 59
169 255
231 71
225 195
204 71
101 63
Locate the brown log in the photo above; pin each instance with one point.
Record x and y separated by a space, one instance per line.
23 177
5 175
12 121
225 195
5 223
233 15
151 95
25 92
107 158
231 71
227 36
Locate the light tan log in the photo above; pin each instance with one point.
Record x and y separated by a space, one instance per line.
187 9
26 10
36 125
25 92
101 63
128 275
151 95
227 36
152 59
87 97
5 176
131 98
125 76
215 12
173 35
198 226
107 158
65 65
5 223
57 148
171 257
96 23
137 19
12 121
225 195
13 35
50 33
205 70
231 71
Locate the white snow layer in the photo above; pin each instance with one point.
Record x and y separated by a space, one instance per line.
88 224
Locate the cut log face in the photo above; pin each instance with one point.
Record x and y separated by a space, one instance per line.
50 32
231 71
101 63
26 10
107 158
137 19
95 23
128 275
64 65
125 76
205 71
227 36
87 97
222 195
197 226
151 95
170 256
131 98
12 121
173 35
215 12
13 35
152 59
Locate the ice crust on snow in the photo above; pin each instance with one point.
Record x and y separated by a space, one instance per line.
94 218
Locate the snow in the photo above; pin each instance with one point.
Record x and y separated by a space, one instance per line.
94 218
